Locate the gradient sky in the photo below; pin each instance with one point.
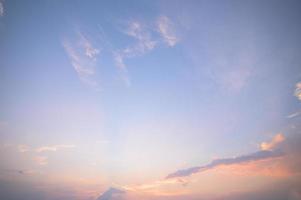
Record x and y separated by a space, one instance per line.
153 100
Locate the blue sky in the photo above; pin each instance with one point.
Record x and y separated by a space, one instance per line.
100 94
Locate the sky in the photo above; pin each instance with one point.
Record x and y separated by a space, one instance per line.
153 100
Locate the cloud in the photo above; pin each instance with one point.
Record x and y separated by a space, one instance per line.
268 150
143 36
277 139
23 148
259 155
54 147
119 61
110 194
144 43
277 158
293 115
167 31
1 9
297 92
287 149
90 51
41 160
83 58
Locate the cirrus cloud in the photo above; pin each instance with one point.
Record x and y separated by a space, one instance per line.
297 92
167 31
83 56
54 148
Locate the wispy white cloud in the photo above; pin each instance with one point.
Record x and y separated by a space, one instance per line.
1 9
90 51
41 160
83 58
54 148
293 115
297 92
167 31
144 43
146 39
83 54
119 62
23 148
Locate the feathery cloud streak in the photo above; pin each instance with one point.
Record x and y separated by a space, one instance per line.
298 91
1 9
293 115
53 148
145 41
83 59
167 31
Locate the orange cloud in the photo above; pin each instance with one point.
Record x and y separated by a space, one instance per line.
277 139
273 167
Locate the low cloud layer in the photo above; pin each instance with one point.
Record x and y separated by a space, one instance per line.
259 155
272 149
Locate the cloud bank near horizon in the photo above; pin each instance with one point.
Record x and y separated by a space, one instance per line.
278 147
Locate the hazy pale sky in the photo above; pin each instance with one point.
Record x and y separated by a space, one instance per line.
153 100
